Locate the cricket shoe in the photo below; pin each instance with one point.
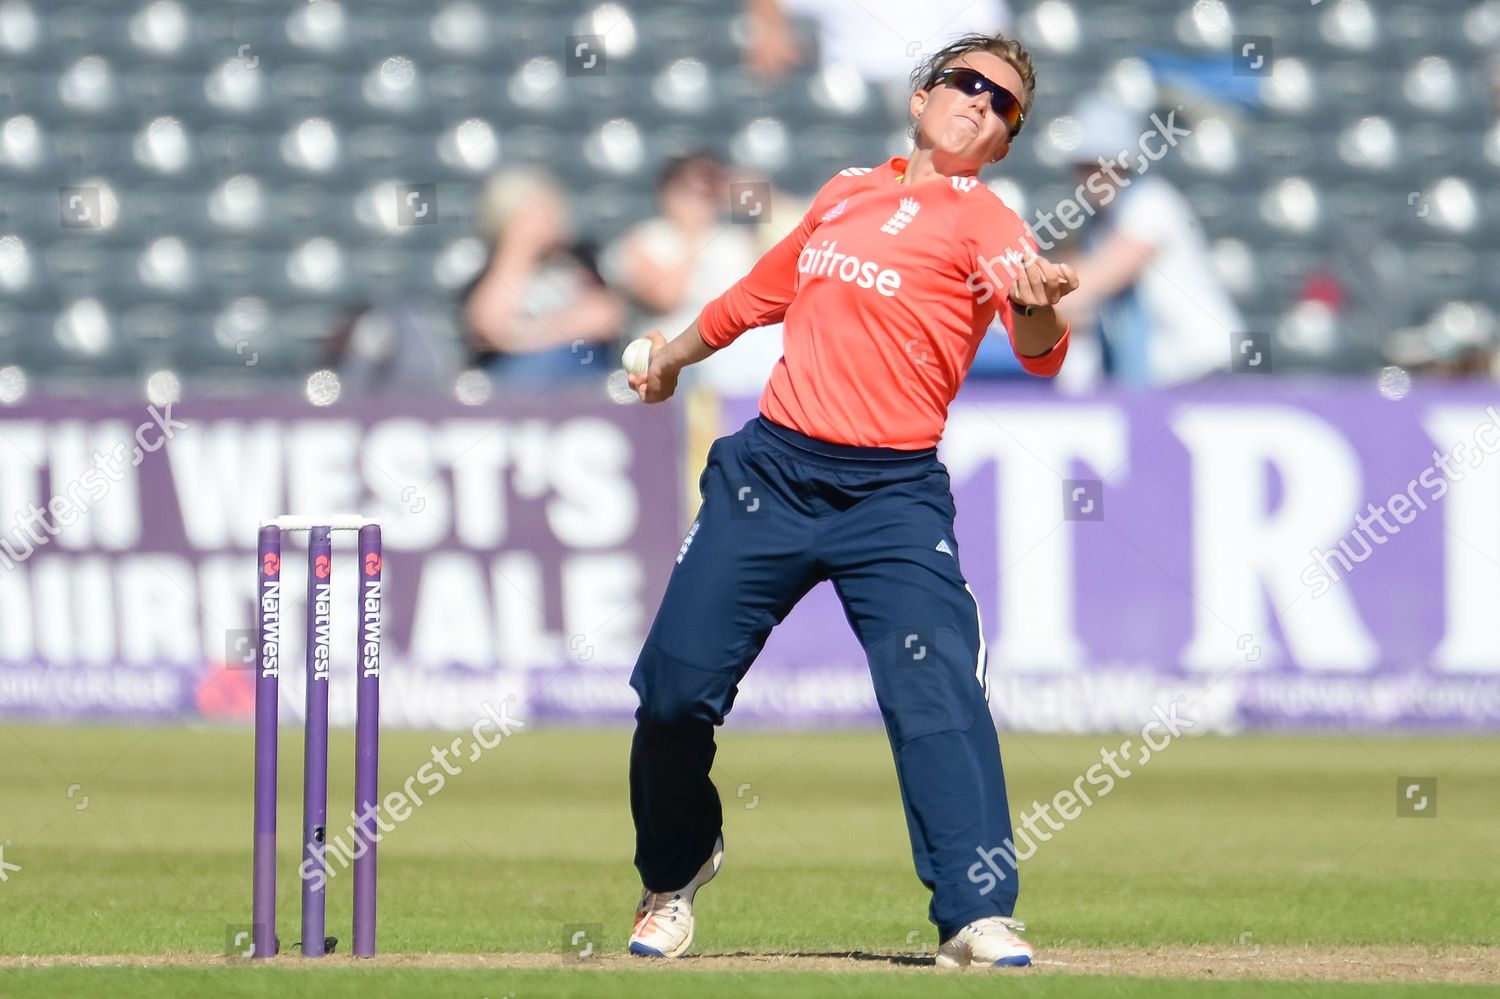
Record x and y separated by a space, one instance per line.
991 941
664 919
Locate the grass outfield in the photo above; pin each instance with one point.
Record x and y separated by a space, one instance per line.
137 842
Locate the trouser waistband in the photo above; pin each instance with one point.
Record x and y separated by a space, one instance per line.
849 452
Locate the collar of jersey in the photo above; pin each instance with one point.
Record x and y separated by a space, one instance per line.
895 168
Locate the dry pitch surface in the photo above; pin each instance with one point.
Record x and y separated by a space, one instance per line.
1304 964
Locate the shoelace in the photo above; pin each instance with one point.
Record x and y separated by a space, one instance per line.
656 903
1013 925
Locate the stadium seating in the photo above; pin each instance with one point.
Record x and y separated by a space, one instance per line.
179 180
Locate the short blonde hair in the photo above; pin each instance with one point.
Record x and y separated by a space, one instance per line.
510 189
1012 51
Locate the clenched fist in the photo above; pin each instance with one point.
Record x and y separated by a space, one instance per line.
1042 283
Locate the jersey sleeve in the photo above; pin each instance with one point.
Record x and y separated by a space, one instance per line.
762 296
1002 249
1042 365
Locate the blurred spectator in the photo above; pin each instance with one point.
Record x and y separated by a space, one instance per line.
395 348
1147 287
865 44
673 264
1461 340
1313 333
539 310
879 39
875 42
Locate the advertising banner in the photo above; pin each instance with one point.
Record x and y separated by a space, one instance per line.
518 540
1280 555
1277 554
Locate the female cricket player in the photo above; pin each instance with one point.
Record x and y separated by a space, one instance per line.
885 288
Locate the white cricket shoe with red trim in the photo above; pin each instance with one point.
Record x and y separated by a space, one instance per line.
664 920
991 941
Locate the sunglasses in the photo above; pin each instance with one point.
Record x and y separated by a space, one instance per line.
1002 101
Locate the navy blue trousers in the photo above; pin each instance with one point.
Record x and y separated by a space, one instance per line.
782 512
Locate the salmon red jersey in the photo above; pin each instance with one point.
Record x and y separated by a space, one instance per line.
885 290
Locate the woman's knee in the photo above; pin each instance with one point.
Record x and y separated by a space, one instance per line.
672 692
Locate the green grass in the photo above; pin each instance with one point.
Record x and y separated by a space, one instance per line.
358 983
1289 840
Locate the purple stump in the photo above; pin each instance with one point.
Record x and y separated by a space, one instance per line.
367 739
267 674
315 757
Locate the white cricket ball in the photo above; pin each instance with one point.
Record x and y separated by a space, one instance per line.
637 357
